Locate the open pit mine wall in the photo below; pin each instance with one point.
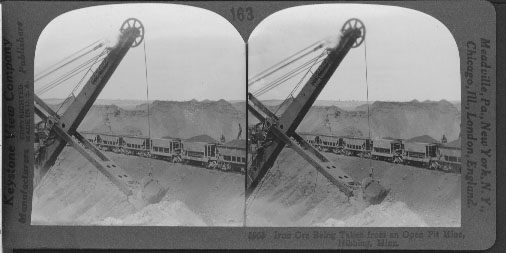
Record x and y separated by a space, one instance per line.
387 119
168 119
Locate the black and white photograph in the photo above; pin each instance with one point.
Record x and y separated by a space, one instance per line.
354 116
140 118
252 125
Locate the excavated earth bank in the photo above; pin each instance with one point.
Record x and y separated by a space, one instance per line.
75 193
294 194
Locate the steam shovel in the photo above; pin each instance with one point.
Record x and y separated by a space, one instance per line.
373 192
150 191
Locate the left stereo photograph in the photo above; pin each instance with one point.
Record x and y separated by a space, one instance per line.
139 118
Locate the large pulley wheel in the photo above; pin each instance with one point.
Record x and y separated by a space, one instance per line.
355 23
133 23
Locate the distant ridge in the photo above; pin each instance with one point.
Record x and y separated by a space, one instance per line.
169 119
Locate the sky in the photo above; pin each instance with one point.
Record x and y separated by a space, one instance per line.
191 53
410 55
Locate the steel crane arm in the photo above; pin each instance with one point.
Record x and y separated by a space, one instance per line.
285 125
77 110
106 166
298 109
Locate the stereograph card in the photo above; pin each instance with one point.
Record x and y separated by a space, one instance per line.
305 125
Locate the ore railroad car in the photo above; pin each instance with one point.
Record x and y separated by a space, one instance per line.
200 152
167 149
232 156
310 138
91 137
387 150
357 146
135 146
325 142
229 156
434 155
330 143
109 142
421 154
450 157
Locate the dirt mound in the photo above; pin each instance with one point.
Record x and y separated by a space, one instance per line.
202 138
386 214
164 213
75 193
423 139
294 194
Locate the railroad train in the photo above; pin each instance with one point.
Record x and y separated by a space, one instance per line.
230 156
436 156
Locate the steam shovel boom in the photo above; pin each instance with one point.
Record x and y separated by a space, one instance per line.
62 130
279 131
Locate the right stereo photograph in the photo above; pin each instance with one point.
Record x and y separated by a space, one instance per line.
354 115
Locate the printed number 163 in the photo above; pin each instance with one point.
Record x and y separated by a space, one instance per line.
242 14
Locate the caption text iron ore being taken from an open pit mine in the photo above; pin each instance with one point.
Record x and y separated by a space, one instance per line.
360 239
478 127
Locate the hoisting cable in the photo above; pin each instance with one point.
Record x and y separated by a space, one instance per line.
292 73
68 75
286 77
281 105
284 60
147 98
309 70
300 81
82 79
367 92
147 86
89 70
276 67
275 83
54 67
79 68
